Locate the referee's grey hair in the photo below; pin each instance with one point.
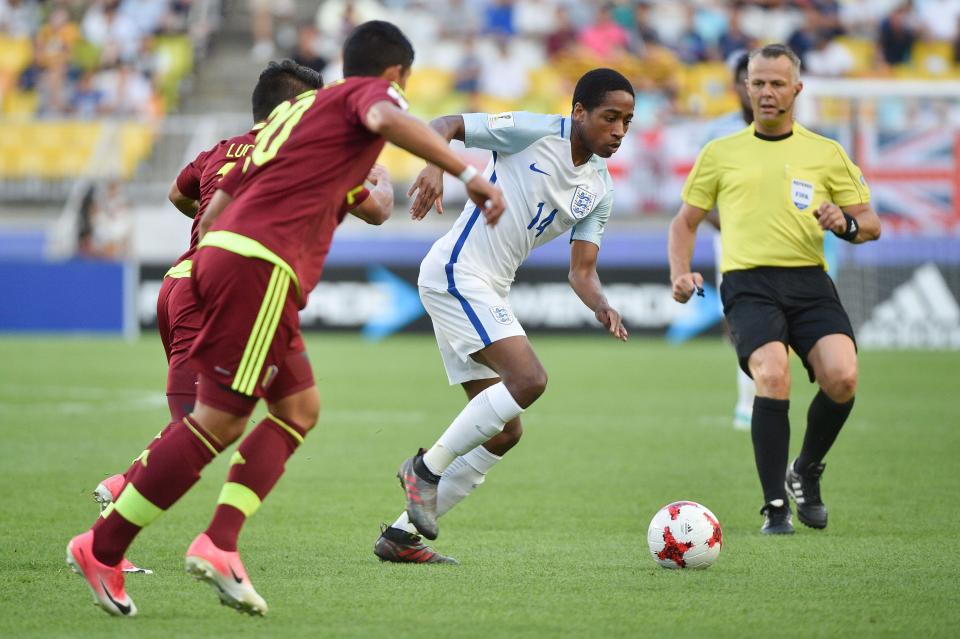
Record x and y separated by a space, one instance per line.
774 51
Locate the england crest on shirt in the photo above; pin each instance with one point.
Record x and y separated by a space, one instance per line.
582 203
801 193
501 314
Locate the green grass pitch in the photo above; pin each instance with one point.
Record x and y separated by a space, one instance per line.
552 545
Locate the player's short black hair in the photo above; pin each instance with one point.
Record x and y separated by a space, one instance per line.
593 86
373 47
279 82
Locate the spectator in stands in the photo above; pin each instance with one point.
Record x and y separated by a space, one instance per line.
126 93
956 45
309 51
829 58
467 75
646 33
499 18
53 90
803 39
690 46
148 15
104 227
734 39
505 74
85 99
19 18
563 36
605 39
457 19
535 18
938 18
56 39
113 32
897 36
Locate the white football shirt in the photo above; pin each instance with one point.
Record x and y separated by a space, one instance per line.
545 195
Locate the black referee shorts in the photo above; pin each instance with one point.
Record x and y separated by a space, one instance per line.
796 306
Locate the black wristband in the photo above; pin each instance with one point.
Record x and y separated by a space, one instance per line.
853 228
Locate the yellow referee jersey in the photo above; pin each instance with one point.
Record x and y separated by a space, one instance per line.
766 192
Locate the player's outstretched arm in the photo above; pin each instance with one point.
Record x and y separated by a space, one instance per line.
186 205
863 227
585 282
683 232
376 209
429 183
221 199
413 135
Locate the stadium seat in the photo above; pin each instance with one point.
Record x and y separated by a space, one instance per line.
174 54
932 59
15 54
864 52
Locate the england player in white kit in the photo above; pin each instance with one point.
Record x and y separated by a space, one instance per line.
555 182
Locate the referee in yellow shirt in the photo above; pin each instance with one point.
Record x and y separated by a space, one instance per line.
778 188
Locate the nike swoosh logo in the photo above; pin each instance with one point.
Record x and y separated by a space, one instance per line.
533 167
122 608
239 580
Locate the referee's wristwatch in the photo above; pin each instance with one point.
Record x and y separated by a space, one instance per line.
852 228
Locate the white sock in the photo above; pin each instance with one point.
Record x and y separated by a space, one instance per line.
460 479
480 420
746 390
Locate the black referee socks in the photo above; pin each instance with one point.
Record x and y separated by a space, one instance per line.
770 430
825 418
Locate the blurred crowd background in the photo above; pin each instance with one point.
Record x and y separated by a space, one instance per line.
114 91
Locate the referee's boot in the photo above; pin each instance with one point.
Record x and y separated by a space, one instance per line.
777 519
803 486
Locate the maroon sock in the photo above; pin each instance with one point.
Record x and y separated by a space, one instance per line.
167 472
129 472
258 464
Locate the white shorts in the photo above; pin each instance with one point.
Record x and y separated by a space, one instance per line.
467 319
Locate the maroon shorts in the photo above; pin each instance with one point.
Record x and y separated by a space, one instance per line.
178 320
249 341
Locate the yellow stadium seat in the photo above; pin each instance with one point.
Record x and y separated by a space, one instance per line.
706 90
15 54
20 104
864 52
428 85
932 59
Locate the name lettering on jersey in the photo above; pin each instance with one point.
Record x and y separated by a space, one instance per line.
582 203
238 150
801 193
502 314
500 121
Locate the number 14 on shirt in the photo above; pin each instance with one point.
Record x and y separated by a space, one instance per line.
546 221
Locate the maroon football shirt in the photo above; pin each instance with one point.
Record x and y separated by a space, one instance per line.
200 179
308 165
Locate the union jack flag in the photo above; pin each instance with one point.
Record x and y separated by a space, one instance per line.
914 177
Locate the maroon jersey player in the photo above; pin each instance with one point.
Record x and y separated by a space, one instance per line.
178 311
257 260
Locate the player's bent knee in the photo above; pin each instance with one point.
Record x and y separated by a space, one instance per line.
528 386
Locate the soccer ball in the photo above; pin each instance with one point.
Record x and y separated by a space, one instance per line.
685 534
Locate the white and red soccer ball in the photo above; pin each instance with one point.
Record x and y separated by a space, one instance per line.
685 534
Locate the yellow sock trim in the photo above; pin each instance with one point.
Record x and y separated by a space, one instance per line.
240 497
279 422
237 458
136 508
106 511
196 432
